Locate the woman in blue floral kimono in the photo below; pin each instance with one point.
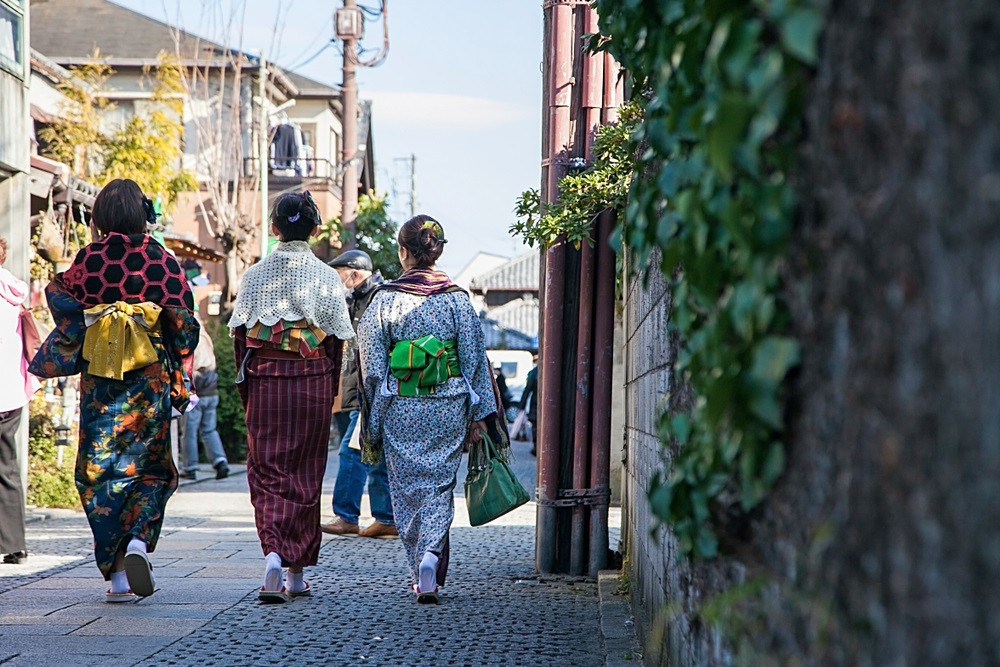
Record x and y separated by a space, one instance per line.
124 321
420 417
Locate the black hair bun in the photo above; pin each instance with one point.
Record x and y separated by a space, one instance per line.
428 239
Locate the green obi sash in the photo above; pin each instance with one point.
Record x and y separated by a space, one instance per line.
422 364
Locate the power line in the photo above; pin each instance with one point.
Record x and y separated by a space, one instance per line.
313 56
324 29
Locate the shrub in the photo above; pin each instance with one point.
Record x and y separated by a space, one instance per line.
49 484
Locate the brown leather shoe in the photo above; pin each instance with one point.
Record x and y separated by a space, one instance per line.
340 527
385 531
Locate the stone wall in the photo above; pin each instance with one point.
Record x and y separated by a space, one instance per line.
663 589
878 546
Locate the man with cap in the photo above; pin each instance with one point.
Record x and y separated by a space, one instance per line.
358 275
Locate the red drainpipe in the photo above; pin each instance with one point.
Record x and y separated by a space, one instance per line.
592 76
600 457
582 413
558 98
613 89
604 323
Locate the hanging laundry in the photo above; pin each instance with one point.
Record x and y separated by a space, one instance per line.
285 150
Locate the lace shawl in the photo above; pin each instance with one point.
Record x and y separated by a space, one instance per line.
292 284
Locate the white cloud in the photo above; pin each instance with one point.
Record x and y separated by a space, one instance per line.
439 110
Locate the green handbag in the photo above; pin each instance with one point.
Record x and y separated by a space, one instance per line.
491 489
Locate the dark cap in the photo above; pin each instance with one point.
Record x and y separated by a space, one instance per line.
353 259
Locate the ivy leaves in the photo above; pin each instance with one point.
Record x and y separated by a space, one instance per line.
582 195
724 82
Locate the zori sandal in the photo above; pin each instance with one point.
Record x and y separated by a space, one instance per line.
139 572
303 593
116 598
427 597
273 597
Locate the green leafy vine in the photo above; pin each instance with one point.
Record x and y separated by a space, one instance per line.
723 85
602 185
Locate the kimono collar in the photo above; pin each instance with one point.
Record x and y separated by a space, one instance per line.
422 282
292 246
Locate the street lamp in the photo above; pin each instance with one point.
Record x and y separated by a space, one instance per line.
62 441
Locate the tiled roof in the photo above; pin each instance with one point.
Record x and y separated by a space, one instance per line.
310 88
70 30
477 266
519 315
498 337
519 274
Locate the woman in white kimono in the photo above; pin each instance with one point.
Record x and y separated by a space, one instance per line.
428 387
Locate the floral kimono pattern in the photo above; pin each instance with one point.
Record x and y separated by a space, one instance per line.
124 469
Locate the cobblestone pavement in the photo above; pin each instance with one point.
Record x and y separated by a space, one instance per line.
494 610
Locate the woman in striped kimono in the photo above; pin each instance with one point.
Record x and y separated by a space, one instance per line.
288 321
124 321
428 386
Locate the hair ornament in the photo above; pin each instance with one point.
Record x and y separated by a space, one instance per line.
294 218
436 227
150 210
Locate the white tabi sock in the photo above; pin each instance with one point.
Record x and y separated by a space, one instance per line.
119 582
272 572
294 582
136 545
428 572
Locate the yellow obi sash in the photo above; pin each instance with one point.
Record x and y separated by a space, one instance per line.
117 338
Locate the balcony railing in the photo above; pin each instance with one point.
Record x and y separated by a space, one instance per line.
294 168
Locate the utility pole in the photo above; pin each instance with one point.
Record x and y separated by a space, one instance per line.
350 28
413 184
262 154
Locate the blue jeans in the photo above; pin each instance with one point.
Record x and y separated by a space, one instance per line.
201 420
351 477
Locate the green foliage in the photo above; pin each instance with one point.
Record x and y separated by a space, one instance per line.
232 425
602 185
723 87
49 484
147 148
76 138
376 233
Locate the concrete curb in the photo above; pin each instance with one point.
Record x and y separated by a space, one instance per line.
206 474
621 648
34 514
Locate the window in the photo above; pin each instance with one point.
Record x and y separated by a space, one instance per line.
12 38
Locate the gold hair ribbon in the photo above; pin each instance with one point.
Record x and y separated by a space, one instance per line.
117 339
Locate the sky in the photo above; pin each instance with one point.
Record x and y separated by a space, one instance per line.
460 90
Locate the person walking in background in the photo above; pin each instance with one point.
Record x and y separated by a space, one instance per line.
355 270
427 387
125 320
15 390
529 399
201 419
289 314
501 380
